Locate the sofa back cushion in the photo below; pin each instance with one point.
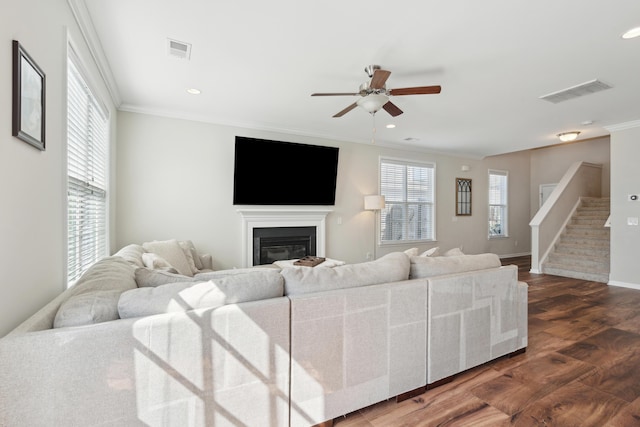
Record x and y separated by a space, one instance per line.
392 267
132 253
189 295
94 298
437 266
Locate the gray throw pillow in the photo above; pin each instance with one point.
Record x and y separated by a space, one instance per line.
184 296
392 267
94 297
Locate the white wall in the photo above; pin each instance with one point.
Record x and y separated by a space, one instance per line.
33 182
175 180
625 180
549 164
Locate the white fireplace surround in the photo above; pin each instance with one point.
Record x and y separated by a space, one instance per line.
281 217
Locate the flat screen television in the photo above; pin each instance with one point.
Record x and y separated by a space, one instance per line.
283 173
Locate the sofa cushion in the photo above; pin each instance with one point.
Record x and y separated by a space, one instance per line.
171 251
146 277
436 266
94 298
389 268
184 296
454 252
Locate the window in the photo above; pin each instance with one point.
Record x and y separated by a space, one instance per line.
87 157
409 191
498 218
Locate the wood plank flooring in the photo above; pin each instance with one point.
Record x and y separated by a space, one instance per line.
581 367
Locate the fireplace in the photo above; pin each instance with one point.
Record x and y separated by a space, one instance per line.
284 218
280 243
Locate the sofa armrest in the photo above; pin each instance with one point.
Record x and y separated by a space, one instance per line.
156 370
474 317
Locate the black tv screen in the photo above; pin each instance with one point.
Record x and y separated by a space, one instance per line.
283 173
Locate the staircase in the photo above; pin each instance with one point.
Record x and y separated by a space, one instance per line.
582 251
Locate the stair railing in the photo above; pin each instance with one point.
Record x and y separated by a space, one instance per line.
582 179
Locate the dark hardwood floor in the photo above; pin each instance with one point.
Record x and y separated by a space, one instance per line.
581 367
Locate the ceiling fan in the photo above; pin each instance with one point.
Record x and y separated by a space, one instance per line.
375 94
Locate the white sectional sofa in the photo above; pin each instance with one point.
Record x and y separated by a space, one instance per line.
130 345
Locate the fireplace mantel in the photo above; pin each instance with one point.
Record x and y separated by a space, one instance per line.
281 217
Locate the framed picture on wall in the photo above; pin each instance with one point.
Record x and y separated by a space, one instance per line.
28 98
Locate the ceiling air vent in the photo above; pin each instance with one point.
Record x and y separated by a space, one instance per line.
179 49
586 88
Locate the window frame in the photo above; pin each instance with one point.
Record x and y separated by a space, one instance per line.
79 259
431 212
503 205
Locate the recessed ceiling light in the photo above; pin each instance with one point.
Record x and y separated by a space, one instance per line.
634 32
193 91
390 126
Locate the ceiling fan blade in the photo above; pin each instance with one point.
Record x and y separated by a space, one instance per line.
334 94
392 109
421 90
379 78
346 110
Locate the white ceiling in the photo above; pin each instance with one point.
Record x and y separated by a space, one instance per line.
257 63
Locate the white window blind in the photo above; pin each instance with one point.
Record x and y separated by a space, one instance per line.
87 156
409 191
498 218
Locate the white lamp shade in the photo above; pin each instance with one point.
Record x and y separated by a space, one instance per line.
373 103
374 203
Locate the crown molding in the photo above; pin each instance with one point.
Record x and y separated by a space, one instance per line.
623 126
83 19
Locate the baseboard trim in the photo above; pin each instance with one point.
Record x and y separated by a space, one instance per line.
635 286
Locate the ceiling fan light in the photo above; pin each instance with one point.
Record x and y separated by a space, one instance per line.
568 136
373 103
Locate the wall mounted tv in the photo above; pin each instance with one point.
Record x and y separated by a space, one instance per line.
283 173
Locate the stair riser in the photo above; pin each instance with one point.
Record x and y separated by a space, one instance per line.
587 241
575 262
595 223
602 278
596 251
581 231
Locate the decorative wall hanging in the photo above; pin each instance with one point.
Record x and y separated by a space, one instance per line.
28 98
463 196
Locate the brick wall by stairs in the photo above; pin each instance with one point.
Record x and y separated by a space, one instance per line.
582 251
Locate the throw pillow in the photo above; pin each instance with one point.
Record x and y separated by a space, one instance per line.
132 253
95 295
156 262
392 267
184 296
171 251
412 252
431 252
188 253
454 252
194 254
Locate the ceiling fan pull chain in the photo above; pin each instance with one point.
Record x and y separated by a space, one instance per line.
373 132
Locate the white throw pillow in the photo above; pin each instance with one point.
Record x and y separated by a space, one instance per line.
431 252
171 251
412 252
454 252
156 262
188 249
